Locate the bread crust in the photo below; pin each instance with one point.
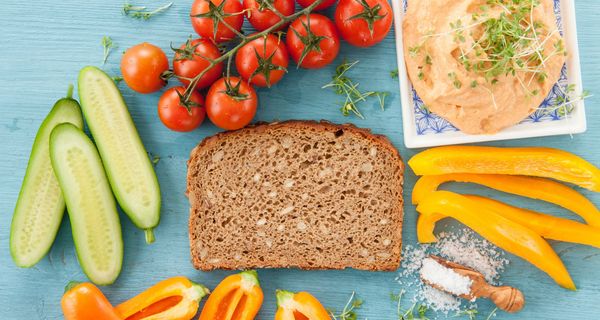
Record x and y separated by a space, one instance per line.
374 139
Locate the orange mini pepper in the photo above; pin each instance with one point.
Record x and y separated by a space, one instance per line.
530 161
531 187
176 298
84 301
237 297
299 306
504 233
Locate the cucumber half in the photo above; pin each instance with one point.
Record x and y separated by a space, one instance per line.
90 203
131 175
40 206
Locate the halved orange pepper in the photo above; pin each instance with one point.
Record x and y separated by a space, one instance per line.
531 161
176 298
299 306
84 301
545 225
237 297
504 233
531 187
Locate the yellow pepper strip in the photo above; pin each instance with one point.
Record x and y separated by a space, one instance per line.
532 161
155 302
545 225
531 187
504 233
299 306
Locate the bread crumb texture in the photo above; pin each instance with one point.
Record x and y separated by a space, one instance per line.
304 194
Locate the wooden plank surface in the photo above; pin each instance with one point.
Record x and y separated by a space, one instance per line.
45 43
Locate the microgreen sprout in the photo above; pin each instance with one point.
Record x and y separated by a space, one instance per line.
346 87
470 313
349 311
141 12
107 45
117 79
567 100
409 314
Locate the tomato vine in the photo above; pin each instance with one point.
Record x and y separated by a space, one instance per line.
243 40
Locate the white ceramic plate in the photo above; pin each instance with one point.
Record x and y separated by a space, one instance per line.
425 129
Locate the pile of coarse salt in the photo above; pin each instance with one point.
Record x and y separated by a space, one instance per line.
452 282
462 247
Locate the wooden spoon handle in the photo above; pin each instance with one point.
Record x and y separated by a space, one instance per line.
507 298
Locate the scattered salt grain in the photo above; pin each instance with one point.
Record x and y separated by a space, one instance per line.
452 282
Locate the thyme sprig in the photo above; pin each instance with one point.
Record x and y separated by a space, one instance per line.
107 46
349 311
343 85
141 12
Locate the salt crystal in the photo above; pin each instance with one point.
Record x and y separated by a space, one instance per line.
450 281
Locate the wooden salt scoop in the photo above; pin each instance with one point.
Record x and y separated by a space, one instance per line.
506 298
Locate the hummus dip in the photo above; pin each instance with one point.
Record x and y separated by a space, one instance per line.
482 65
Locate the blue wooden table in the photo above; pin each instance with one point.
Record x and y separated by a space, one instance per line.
45 43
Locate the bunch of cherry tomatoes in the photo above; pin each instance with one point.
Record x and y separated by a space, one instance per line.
311 39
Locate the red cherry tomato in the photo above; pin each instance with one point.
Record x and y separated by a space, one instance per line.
231 104
142 66
176 116
204 24
323 5
314 49
262 61
261 18
192 58
363 23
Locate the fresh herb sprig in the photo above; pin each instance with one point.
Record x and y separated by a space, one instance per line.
142 12
343 85
107 46
349 311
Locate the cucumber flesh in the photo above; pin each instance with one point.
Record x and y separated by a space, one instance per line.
40 206
90 203
128 167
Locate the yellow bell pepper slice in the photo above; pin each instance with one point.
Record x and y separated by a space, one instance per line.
531 161
504 233
176 298
530 187
299 306
545 225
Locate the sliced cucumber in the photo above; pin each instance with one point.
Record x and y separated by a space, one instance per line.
40 206
126 162
90 203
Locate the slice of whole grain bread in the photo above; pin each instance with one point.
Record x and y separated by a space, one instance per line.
312 195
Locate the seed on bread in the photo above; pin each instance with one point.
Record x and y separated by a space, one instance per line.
308 195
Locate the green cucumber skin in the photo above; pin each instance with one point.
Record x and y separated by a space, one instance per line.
64 110
130 155
92 209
